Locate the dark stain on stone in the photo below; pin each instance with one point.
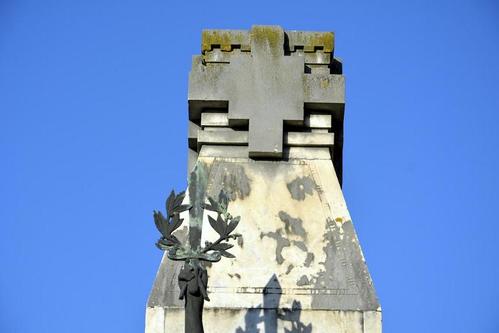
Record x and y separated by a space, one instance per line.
301 245
359 278
309 259
332 266
303 281
290 268
343 270
240 241
293 225
361 321
281 243
234 181
300 187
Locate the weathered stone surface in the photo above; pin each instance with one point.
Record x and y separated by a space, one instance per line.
222 137
246 81
209 119
226 136
258 80
302 139
318 121
250 84
215 119
290 153
229 40
326 90
273 321
266 117
298 246
226 40
310 41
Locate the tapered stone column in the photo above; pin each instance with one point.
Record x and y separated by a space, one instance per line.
266 113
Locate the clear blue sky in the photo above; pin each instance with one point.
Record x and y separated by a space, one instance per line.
93 136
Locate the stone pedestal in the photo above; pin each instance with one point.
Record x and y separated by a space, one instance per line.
299 266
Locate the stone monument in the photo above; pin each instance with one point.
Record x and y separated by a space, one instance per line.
266 113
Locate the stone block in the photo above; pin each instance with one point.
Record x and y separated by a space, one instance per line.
317 58
310 41
318 121
222 137
324 89
226 40
305 139
218 129
214 119
219 56
290 153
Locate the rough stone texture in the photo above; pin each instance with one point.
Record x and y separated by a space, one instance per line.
214 119
318 121
266 118
309 139
226 136
272 321
299 247
222 120
243 72
308 153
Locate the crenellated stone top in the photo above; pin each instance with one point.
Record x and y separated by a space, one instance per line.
228 40
268 82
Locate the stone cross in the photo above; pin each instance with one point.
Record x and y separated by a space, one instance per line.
264 87
256 82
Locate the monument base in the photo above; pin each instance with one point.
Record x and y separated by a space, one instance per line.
163 320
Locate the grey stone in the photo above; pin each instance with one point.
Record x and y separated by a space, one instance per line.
303 139
222 137
266 109
325 90
220 129
193 135
314 120
290 153
300 187
247 82
230 137
311 41
214 119
318 121
256 80
211 85
292 230
192 157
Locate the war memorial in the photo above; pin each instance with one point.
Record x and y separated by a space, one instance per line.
262 241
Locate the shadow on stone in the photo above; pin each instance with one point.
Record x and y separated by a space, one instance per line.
269 313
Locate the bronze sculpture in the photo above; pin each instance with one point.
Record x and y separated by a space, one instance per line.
193 278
